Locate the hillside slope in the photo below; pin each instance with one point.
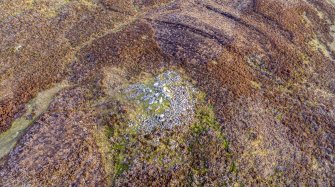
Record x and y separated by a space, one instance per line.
167 92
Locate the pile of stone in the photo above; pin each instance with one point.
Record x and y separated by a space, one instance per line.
167 101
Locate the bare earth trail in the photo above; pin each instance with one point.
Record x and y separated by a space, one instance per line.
81 79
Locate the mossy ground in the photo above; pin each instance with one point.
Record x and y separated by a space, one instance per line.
124 145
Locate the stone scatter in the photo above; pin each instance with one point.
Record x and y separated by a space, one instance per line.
166 101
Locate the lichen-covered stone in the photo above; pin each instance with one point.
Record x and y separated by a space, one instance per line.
166 101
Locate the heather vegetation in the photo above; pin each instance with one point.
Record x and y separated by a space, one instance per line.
167 93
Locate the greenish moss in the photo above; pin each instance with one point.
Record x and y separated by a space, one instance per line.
183 146
226 144
120 168
205 120
205 132
279 117
233 168
119 147
122 137
109 131
198 128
